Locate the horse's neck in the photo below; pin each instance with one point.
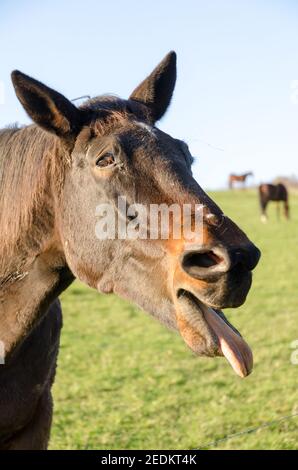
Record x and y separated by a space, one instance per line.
33 269
25 298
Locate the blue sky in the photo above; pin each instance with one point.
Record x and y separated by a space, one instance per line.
237 60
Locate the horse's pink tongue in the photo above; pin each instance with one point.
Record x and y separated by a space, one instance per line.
232 346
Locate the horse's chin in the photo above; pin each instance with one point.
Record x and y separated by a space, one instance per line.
208 333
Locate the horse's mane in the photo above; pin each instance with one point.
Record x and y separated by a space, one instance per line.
27 169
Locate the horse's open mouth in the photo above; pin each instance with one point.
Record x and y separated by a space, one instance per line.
207 332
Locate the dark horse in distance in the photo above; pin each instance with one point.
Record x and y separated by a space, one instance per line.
53 175
238 179
273 192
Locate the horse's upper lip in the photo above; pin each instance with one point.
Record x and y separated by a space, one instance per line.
219 336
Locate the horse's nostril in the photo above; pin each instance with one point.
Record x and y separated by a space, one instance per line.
196 263
205 264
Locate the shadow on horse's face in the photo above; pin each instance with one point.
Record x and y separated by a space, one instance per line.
117 160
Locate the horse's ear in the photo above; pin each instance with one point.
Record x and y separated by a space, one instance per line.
157 89
48 108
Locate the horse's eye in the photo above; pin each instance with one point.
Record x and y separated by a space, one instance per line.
105 160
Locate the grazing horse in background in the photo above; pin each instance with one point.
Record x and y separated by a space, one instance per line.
238 179
273 192
53 176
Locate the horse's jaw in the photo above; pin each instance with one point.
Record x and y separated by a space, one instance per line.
208 333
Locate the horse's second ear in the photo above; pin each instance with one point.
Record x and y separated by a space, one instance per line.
157 89
48 108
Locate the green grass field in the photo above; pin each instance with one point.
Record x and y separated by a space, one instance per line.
125 382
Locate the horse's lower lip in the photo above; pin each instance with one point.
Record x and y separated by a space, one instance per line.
223 339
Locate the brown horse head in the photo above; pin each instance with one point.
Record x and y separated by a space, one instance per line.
110 148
